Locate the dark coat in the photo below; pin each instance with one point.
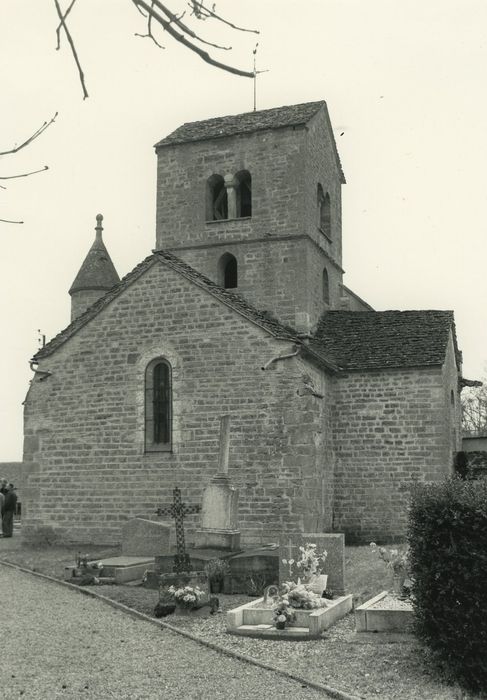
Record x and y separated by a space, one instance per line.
10 502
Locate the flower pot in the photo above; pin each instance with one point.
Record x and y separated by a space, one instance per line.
280 625
317 583
398 583
216 585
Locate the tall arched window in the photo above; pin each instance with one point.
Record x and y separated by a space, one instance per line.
324 214
228 271
158 405
216 199
326 286
243 193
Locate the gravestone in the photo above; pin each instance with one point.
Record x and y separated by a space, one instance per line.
219 516
333 543
145 538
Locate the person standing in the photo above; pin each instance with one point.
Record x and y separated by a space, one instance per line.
8 510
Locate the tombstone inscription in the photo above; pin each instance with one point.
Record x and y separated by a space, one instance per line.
177 510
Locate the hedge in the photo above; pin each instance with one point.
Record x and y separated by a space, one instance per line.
448 555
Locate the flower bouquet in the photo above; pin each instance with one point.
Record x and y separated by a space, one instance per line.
309 567
283 614
187 597
300 596
398 562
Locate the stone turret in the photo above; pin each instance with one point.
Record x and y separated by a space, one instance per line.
96 275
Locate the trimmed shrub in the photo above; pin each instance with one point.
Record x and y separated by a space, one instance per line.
448 554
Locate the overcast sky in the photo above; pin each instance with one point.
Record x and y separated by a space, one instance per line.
405 84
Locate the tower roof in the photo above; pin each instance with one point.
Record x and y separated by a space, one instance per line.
97 270
249 122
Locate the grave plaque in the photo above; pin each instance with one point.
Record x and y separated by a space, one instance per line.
333 543
145 538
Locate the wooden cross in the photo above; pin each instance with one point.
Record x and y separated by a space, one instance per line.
178 510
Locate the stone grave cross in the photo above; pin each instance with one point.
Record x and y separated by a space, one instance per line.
178 510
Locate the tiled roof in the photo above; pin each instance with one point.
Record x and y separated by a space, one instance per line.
97 270
384 339
248 122
235 301
245 123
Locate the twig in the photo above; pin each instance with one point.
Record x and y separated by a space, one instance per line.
182 39
31 138
8 221
149 34
14 177
73 49
199 10
58 30
174 19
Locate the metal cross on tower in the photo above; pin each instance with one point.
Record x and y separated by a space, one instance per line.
178 510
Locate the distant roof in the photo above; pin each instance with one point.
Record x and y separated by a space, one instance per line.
97 270
248 122
384 339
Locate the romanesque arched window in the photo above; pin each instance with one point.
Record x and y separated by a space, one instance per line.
216 199
326 286
243 193
324 214
228 271
158 405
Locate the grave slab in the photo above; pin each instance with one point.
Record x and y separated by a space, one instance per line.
256 619
383 613
125 568
145 538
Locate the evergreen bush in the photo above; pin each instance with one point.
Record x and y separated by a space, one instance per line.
448 555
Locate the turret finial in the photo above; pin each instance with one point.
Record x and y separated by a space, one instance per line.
99 227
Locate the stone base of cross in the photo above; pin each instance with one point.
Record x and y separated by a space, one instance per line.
177 510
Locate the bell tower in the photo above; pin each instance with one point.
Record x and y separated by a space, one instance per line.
253 201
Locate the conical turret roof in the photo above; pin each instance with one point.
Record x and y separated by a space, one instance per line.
97 270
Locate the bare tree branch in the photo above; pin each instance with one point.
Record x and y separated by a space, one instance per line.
31 138
73 48
167 25
8 221
58 30
149 34
202 12
33 172
174 19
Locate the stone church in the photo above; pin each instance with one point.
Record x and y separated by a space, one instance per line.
241 310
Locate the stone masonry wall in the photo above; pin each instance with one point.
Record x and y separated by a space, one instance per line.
275 160
390 431
271 276
279 268
84 425
321 167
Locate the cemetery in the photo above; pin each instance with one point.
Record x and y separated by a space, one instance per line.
366 652
305 602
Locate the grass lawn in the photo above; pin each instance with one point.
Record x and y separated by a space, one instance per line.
366 670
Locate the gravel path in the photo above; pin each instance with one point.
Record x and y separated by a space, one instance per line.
57 643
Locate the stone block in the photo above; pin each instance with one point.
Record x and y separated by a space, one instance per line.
145 538
218 539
